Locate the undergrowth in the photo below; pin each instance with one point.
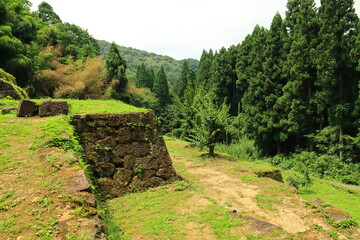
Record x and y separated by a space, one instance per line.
243 149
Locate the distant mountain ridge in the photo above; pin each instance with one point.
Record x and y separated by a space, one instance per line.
135 57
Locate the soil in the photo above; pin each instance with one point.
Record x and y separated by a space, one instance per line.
233 190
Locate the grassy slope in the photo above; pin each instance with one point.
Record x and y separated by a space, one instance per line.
343 198
34 200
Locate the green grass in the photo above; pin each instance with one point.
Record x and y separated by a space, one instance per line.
340 197
5 103
84 106
100 106
220 221
9 226
7 161
151 213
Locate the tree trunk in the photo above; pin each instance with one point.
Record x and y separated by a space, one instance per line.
278 146
341 141
212 150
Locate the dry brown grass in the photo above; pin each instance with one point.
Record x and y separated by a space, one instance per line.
75 79
84 82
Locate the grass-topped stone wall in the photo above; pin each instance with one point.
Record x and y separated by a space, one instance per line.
125 151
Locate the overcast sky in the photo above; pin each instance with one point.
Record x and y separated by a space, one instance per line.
176 28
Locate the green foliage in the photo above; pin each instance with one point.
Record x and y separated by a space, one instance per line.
9 79
47 14
100 106
185 82
76 41
323 166
58 132
136 58
346 223
161 88
298 180
116 66
220 221
144 78
17 31
210 121
244 149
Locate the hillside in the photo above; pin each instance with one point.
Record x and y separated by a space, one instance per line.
135 57
218 198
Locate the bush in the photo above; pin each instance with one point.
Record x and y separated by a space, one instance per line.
322 166
297 179
244 149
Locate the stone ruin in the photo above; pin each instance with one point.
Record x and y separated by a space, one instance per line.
125 151
47 108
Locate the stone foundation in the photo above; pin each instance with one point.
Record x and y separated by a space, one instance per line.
125 151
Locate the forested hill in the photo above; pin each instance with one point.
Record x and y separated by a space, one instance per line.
135 57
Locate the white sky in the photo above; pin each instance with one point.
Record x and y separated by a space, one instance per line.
176 28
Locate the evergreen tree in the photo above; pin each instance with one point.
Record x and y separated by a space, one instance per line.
116 66
161 88
275 57
205 72
151 76
253 101
337 79
142 77
299 70
145 78
226 77
182 82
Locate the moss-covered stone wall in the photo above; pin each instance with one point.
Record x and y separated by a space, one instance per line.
125 151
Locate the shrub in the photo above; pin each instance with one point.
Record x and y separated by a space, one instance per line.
298 180
244 149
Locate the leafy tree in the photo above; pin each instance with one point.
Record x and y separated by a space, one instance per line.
47 14
116 66
76 41
161 88
210 121
16 33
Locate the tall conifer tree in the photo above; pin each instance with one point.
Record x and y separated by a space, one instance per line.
161 88
299 69
116 66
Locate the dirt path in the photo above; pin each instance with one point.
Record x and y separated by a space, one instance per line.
260 198
344 185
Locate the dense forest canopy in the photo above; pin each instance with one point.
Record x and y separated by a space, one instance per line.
291 89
